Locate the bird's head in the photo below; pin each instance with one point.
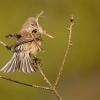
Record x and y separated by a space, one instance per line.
32 26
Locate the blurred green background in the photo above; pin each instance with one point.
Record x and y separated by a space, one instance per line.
80 79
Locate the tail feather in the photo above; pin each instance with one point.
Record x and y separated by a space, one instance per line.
20 61
28 63
7 67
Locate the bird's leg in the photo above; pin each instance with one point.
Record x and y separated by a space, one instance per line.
37 62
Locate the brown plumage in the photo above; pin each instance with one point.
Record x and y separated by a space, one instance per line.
28 43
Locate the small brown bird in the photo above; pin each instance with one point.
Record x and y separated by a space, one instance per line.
28 43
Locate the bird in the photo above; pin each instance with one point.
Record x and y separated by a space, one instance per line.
28 44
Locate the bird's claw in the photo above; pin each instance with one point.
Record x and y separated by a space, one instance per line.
37 62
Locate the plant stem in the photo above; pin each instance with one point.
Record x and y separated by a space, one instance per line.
66 53
48 82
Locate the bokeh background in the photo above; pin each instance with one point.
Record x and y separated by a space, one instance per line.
80 79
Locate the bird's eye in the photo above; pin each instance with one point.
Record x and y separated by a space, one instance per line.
32 24
34 31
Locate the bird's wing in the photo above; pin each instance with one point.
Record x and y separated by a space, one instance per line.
17 43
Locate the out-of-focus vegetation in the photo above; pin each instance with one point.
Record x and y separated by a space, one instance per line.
80 79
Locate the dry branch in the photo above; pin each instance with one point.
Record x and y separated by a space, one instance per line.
67 51
30 85
48 82
51 87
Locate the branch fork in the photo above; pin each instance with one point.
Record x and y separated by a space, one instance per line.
50 86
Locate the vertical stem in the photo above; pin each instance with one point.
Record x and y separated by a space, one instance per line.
66 53
48 82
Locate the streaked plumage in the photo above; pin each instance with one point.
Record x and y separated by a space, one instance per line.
24 47
28 43
21 58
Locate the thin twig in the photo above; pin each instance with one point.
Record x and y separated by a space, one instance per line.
51 87
30 85
48 82
3 43
66 53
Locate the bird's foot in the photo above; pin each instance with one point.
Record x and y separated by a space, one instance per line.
37 62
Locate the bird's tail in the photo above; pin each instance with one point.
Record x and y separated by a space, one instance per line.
20 61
